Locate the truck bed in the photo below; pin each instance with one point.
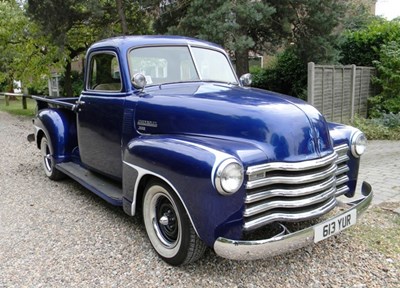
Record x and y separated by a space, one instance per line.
44 102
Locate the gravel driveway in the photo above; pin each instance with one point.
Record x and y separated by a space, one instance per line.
58 234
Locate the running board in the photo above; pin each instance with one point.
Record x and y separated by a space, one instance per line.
107 189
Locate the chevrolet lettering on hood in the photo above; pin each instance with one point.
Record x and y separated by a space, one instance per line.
164 128
142 124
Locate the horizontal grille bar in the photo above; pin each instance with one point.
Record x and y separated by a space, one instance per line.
295 179
288 166
290 203
291 192
303 215
281 191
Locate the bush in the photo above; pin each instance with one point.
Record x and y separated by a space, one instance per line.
388 79
387 127
288 75
361 47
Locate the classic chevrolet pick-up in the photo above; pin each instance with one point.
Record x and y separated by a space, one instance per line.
163 127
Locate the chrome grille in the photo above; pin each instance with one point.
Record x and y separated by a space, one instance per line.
341 174
282 191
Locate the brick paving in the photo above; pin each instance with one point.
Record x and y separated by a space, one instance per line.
380 167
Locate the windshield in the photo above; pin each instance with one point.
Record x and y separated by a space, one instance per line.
171 64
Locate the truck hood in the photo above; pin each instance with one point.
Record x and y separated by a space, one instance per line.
283 127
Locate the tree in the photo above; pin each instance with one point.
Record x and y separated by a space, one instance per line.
73 25
239 26
24 54
243 25
315 28
314 35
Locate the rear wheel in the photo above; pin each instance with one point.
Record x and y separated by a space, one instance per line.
48 161
168 226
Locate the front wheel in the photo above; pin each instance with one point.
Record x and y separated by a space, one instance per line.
48 162
168 226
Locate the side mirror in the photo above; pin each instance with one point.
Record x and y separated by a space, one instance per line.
139 81
246 79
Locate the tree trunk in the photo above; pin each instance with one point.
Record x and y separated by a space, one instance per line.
122 18
242 62
68 80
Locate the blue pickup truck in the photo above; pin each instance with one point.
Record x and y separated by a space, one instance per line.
165 129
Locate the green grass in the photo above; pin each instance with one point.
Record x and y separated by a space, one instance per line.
380 230
15 107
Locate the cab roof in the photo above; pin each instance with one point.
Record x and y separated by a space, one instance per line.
127 42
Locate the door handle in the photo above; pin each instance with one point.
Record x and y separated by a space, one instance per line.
78 105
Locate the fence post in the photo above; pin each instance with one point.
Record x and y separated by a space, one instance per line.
311 83
7 100
353 90
24 105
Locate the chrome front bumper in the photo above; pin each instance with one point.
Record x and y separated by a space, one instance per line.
259 249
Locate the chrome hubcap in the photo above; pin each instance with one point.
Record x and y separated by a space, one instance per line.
47 158
165 221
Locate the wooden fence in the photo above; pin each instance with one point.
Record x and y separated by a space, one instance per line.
340 92
23 96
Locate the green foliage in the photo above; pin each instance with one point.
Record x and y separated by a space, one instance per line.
77 83
388 79
387 127
313 40
288 75
24 54
314 25
259 26
73 25
239 26
362 47
378 44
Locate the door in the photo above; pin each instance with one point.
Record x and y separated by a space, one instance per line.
100 116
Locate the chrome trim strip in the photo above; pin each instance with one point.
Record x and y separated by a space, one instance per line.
342 170
262 195
296 166
341 149
290 216
259 249
341 180
341 190
142 172
342 158
290 203
293 179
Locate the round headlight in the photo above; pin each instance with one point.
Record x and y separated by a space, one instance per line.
358 143
229 177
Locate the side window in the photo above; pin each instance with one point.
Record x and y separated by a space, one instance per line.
104 73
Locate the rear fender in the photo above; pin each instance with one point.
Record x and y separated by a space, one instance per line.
59 127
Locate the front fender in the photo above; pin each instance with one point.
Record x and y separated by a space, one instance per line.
341 134
60 129
188 166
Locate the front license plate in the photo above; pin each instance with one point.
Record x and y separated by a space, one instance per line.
334 226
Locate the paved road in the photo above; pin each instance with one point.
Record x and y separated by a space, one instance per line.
380 166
